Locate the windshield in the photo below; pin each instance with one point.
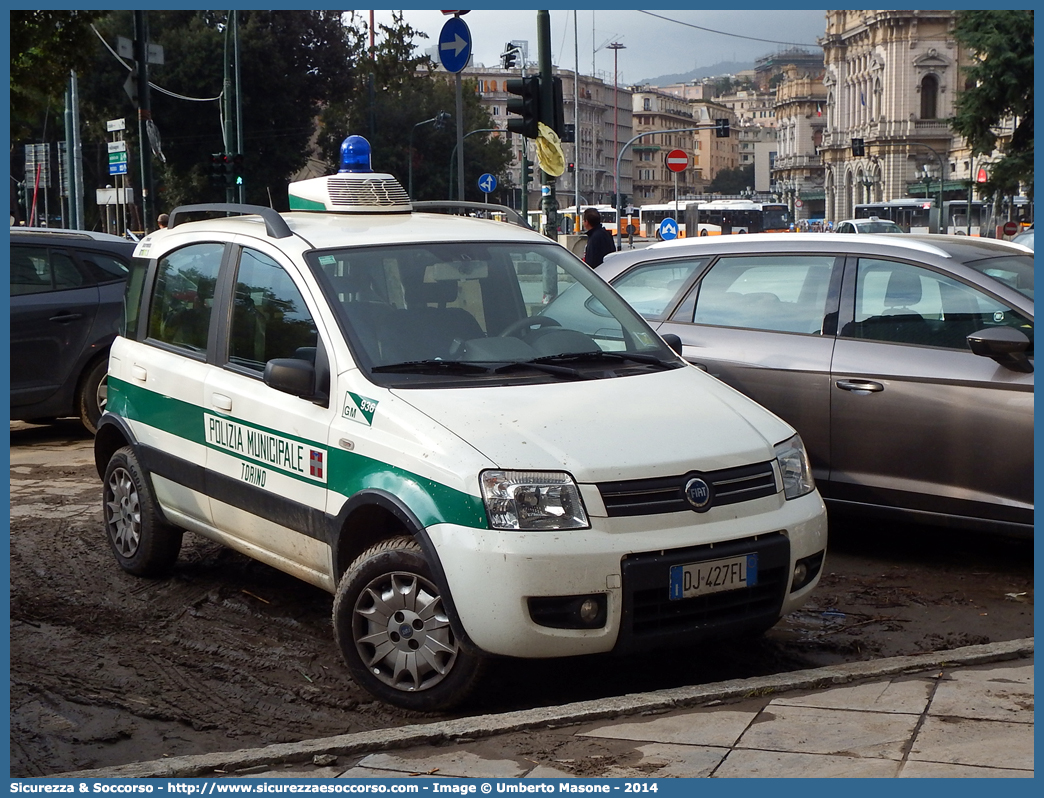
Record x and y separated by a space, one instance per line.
470 311
1015 271
878 227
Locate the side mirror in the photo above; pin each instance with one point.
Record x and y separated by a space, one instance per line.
1006 345
292 376
673 341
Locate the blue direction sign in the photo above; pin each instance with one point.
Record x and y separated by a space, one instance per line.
454 45
668 229
488 183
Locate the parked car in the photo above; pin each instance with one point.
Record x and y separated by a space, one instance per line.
871 225
1026 238
905 362
66 303
364 396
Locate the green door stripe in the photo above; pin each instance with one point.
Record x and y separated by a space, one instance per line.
348 472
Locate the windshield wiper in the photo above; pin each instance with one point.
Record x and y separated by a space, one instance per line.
475 367
433 365
619 357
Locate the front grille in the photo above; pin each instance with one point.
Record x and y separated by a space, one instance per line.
667 494
650 618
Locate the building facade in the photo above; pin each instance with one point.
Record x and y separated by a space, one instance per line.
665 122
891 79
798 173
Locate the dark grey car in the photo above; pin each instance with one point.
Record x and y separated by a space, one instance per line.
66 304
905 362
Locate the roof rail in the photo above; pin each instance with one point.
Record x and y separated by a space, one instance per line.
275 224
456 206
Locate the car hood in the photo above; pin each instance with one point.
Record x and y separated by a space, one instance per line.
632 427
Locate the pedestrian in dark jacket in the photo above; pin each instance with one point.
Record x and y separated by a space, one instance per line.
599 241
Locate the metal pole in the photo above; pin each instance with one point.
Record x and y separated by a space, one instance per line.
226 104
76 156
577 227
239 100
549 203
141 40
460 138
616 47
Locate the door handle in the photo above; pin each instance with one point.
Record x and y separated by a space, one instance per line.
863 387
222 402
61 318
139 373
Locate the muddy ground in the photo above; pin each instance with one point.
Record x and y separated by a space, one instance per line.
108 669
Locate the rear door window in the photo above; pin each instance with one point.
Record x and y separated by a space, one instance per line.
183 296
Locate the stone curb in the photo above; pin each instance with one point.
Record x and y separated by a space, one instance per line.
546 717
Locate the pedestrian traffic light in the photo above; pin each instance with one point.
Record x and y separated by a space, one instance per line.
858 148
237 169
218 168
722 129
525 103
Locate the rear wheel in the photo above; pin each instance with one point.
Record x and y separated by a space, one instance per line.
92 394
143 543
394 634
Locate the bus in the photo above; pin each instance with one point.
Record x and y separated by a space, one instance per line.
650 217
738 216
568 222
917 215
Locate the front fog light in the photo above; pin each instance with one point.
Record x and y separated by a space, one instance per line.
794 467
532 500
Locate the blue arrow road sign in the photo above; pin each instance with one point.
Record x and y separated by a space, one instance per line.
668 229
487 183
454 45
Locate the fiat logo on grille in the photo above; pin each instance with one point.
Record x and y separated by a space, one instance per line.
698 494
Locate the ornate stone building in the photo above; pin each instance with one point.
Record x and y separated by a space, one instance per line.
891 79
798 173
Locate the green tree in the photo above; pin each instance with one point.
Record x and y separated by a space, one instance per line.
406 89
732 181
45 45
999 88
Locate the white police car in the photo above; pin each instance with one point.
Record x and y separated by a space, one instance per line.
374 400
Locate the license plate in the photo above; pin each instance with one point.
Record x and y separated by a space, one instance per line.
713 576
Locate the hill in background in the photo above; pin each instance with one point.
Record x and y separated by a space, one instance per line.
721 68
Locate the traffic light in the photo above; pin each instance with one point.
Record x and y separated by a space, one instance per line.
509 58
525 103
858 148
568 134
237 169
23 197
442 118
571 168
527 172
218 168
722 129
557 108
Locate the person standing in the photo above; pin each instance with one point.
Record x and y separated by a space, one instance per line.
599 241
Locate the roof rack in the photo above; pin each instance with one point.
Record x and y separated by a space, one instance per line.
275 224
460 208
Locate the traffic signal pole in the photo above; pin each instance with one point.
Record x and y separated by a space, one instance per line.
549 203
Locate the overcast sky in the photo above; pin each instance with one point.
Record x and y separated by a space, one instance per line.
654 46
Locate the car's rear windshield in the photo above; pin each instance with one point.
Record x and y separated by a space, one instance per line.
1015 271
879 227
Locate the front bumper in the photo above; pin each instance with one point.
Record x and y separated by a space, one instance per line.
492 574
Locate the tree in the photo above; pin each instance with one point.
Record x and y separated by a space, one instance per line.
732 181
999 88
45 46
407 89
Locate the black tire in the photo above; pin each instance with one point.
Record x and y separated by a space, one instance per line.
92 393
382 649
142 542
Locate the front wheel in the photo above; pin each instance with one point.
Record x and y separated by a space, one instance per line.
142 542
394 634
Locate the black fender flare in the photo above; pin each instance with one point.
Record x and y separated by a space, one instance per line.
402 513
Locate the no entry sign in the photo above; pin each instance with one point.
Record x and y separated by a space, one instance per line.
677 160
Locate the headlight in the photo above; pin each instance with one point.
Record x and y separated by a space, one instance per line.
795 468
532 500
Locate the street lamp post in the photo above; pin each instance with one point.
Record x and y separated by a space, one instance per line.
440 120
616 47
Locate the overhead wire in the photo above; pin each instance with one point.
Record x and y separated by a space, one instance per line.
725 33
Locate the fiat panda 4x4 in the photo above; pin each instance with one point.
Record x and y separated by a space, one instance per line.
386 404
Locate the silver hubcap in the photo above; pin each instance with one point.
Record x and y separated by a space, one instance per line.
402 633
123 512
